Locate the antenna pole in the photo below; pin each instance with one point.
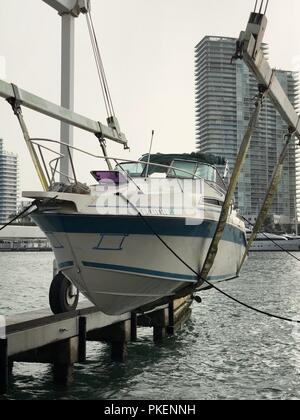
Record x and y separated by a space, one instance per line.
149 157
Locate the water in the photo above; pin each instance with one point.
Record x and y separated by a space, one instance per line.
224 352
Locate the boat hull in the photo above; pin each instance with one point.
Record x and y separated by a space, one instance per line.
120 265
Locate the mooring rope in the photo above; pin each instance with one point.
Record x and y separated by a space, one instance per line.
18 216
26 210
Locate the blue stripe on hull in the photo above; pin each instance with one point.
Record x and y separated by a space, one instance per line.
144 271
133 225
65 265
147 272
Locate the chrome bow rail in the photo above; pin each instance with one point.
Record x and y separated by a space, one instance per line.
52 170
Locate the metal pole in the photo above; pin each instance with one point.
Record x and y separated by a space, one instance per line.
38 167
104 150
67 88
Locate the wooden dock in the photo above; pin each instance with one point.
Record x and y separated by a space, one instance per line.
60 340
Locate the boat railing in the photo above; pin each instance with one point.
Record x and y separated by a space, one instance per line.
52 170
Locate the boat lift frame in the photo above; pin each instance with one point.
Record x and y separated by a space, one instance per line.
69 10
18 98
28 100
249 48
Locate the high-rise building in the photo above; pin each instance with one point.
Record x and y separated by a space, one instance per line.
8 184
225 95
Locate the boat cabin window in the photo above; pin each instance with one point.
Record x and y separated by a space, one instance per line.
178 169
132 169
182 169
191 170
206 172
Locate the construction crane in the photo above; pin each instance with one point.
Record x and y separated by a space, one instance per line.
249 48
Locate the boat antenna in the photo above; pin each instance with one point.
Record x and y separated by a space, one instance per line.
149 156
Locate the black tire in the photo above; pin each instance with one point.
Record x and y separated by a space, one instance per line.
59 295
197 299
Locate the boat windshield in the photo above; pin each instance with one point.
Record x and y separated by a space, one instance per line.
191 170
178 169
183 169
133 169
207 172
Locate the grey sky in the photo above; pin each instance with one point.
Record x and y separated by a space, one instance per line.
148 52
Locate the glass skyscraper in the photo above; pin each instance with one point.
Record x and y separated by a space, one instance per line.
8 184
225 95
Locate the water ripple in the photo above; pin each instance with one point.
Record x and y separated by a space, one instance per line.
224 352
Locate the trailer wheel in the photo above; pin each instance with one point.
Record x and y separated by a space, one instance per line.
63 296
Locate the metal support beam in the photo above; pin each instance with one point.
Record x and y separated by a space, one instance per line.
62 6
272 190
249 48
67 90
18 112
228 203
35 103
69 10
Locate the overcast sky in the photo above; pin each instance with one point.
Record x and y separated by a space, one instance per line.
148 52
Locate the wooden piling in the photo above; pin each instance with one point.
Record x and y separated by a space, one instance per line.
82 340
171 328
117 335
10 367
160 322
60 340
66 354
63 374
133 326
4 371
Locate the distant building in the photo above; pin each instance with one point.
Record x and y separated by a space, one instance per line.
8 184
224 102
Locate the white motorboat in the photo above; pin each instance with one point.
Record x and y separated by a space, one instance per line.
116 241
106 238
270 242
